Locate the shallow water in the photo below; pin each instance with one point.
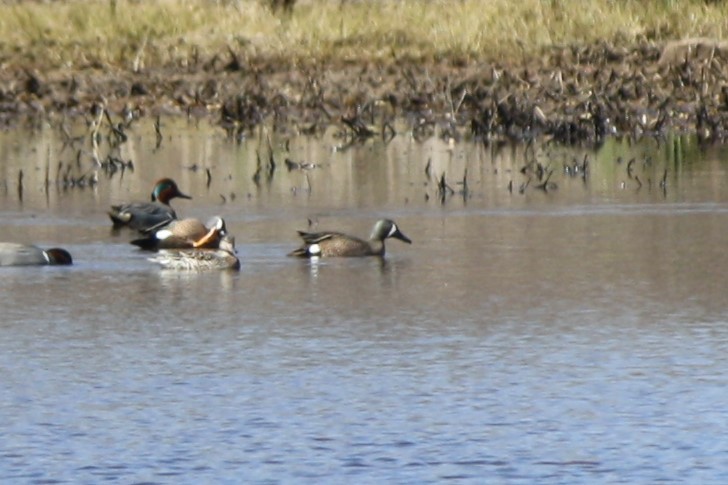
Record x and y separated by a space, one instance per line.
574 335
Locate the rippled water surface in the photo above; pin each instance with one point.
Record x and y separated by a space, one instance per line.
576 334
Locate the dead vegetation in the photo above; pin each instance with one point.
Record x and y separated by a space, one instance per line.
435 81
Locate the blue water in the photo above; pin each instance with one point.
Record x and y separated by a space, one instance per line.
544 342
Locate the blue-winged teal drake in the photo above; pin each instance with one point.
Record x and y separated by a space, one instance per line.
200 259
142 216
329 244
13 254
184 234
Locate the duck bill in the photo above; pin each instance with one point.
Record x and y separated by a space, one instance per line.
182 196
399 235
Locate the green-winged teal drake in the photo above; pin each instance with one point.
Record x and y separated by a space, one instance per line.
142 216
200 259
13 254
330 244
184 234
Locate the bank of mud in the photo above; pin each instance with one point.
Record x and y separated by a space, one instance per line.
573 95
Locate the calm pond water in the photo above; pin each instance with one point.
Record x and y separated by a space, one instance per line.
572 335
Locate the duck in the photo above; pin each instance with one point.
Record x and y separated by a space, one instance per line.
337 244
184 234
224 257
142 216
15 254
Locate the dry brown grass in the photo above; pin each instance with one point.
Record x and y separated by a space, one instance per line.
133 34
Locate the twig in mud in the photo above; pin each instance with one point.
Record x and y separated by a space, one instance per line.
524 186
136 65
116 130
428 169
360 129
546 185
95 133
68 140
630 164
443 186
448 98
271 161
113 164
20 185
443 189
461 100
78 160
67 179
411 79
209 177
47 181
258 169
465 192
108 118
388 133
158 132
540 171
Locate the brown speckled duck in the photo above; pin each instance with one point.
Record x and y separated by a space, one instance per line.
329 244
224 257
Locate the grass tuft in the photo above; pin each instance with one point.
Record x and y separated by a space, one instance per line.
126 33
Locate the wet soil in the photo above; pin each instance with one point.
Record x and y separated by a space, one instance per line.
577 94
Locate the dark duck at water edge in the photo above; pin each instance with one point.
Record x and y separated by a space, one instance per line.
142 216
14 254
184 234
337 244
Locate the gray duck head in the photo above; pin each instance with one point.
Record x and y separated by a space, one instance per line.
386 228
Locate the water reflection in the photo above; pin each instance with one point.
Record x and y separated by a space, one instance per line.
339 271
551 335
224 281
408 173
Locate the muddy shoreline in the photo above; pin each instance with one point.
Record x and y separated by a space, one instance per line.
573 95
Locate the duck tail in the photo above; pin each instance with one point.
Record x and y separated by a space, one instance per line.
118 218
299 253
146 243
